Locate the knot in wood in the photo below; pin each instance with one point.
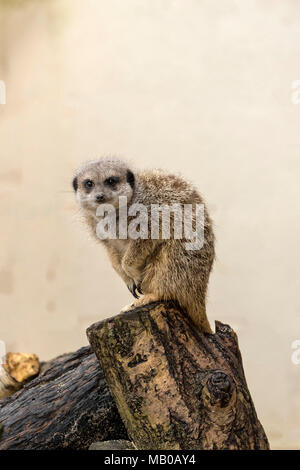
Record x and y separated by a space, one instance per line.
220 388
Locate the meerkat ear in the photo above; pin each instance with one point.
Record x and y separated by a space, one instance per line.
75 184
130 178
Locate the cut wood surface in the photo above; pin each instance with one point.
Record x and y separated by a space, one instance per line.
68 406
17 370
8 385
176 388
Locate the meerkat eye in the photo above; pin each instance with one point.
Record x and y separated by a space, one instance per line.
112 181
88 184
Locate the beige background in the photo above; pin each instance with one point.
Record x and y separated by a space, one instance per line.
197 86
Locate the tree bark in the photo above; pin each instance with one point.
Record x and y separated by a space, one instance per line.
68 406
175 387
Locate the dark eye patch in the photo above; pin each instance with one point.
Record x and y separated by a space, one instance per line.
88 184
130 178
75 184
112 181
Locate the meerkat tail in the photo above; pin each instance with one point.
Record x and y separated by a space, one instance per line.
199 318
197 314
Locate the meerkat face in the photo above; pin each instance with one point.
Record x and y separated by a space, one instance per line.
103 182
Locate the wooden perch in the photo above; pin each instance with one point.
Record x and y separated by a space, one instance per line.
67 406
175 387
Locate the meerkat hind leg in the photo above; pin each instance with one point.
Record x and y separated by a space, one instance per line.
146 299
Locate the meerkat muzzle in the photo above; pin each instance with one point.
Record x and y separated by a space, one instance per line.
99 198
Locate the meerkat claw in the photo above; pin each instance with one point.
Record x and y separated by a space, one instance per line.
133 288
138 288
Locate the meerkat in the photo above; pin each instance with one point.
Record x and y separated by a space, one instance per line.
155 269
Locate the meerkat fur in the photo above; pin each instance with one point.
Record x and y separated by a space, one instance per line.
160 269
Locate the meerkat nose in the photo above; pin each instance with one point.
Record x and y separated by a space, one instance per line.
99 198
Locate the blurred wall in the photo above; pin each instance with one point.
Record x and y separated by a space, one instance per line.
202 87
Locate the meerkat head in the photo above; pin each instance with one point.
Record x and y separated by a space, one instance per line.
103 181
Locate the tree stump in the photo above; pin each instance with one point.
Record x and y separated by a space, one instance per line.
175 387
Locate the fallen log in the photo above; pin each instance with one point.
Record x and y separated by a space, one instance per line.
175 387
68 406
